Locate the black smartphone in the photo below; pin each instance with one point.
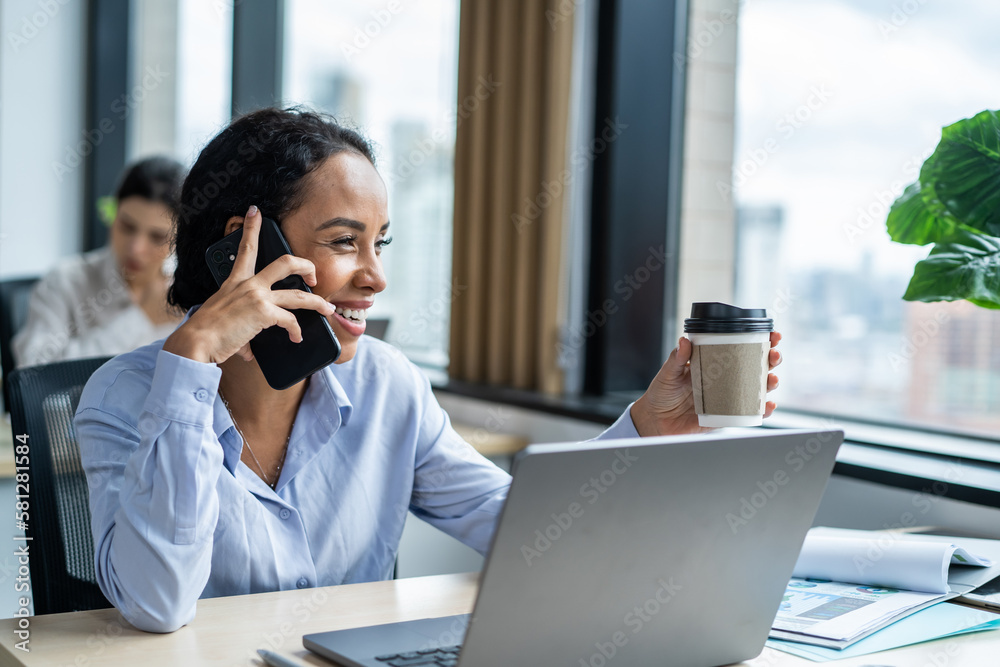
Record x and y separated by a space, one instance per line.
283 362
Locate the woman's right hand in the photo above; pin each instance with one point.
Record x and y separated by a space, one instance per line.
245 304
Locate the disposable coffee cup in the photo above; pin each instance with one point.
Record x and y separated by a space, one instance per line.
729 366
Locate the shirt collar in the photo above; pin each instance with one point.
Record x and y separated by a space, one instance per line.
325 390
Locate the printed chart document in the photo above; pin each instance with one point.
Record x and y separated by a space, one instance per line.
939 620
849 584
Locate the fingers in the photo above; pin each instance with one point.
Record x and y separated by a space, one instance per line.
676 363
246 256
769 408
684 349
775 338
773 359
288 265
772 381
287 321
296 299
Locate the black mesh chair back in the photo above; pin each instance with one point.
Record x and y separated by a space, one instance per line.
61 550
14 296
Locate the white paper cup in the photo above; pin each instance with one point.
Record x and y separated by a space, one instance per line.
729 377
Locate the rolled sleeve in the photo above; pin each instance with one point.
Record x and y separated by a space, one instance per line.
622 428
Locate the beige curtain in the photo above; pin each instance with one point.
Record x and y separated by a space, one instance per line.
515 59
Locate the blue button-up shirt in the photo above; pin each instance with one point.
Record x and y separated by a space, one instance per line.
176 515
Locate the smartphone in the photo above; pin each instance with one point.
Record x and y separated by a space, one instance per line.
283 362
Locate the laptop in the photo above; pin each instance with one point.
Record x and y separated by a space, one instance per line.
986 596
668 551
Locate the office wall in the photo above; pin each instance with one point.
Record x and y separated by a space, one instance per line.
42 118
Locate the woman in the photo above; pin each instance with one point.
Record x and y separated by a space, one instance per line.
204 480
112 299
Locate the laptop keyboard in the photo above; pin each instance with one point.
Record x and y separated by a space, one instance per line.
445 656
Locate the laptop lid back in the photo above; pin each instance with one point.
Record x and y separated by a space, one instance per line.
665 551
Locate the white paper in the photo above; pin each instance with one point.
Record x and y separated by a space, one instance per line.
882 560
843 612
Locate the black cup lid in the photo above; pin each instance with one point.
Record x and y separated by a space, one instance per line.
718 317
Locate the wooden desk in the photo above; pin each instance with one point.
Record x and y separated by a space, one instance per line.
227 631
489 443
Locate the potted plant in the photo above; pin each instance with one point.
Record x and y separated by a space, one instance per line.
955 204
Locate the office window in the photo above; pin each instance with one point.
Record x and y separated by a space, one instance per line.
181 71
838 104
391 70
205 74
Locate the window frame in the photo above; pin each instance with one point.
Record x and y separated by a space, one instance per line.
629 320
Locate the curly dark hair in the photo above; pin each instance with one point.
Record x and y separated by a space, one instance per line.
261 158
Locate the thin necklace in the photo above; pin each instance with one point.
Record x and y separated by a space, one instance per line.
284 451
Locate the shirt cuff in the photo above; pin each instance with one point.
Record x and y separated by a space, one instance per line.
183 390
622 428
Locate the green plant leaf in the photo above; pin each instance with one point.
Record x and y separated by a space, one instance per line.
963 173
107 209
966 267
985 304
913 220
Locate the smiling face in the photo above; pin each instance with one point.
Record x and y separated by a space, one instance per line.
341 227
140 237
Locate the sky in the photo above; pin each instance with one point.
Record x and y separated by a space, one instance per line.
850 96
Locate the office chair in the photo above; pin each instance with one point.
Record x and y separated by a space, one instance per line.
14 295
61 549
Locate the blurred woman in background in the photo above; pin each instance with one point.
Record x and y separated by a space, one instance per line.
113 299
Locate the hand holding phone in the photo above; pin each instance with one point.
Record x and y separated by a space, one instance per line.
282 360
232 319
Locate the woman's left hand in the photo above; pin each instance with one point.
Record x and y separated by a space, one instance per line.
667 407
